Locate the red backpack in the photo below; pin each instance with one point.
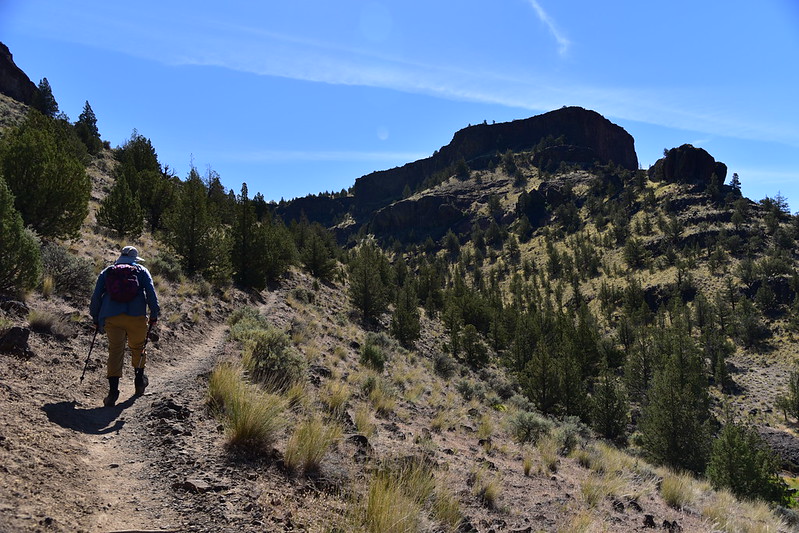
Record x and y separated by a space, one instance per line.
122 282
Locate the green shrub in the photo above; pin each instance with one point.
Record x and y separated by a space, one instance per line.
444 365
72 276
742 462
20 259
244 321
373 356
270 358
526 426
166 266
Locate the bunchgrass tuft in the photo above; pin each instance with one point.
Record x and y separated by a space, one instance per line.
253 419
394 502
486 489
677 489
446 508
335 395
309 443
363 420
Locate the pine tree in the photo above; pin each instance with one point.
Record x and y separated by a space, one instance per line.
120 210
44 101
675 422
47 178
609 407
188 224
369 283
405 321
86 129
20 259
742 462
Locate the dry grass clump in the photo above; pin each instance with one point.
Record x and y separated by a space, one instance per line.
335 395
726 513
309 443
48 323
379 393
548 449
252 418
446 508
583 522
395 500
486 488
678 490
595 488
363 420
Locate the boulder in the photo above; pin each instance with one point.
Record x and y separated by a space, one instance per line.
15 341
688 164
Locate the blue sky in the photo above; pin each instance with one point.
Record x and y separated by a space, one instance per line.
306 96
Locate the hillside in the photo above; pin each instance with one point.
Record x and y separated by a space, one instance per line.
446 431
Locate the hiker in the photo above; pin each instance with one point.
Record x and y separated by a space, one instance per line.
119 305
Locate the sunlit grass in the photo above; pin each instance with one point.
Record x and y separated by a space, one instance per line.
253 419
335 395
678 490
309 443
363 420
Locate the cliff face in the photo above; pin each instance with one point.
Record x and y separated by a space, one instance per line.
586 137
13 82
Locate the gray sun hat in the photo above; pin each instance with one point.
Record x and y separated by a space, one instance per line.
129 255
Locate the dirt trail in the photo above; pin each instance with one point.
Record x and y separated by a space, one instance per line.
136 495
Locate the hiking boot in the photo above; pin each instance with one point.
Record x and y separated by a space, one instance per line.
111 399
140 382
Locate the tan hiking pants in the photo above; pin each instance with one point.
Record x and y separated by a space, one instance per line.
118 328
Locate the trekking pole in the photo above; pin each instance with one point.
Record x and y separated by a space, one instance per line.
86 365
144 346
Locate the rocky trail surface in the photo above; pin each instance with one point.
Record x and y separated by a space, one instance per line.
150 463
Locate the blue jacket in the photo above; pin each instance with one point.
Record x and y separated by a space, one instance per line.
102 306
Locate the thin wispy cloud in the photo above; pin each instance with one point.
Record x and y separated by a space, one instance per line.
563 42
256 51
322 155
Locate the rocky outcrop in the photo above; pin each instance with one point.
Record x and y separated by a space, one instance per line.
688 164
322 209
413 219
586 137
13 81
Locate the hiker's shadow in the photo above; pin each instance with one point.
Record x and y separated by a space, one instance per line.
93 421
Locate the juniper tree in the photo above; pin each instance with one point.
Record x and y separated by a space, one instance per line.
44 101
46 176
189 226
742 461
317 257
675 418
369 281
243 241
86 129
609 406
120 210
20 259
405 320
